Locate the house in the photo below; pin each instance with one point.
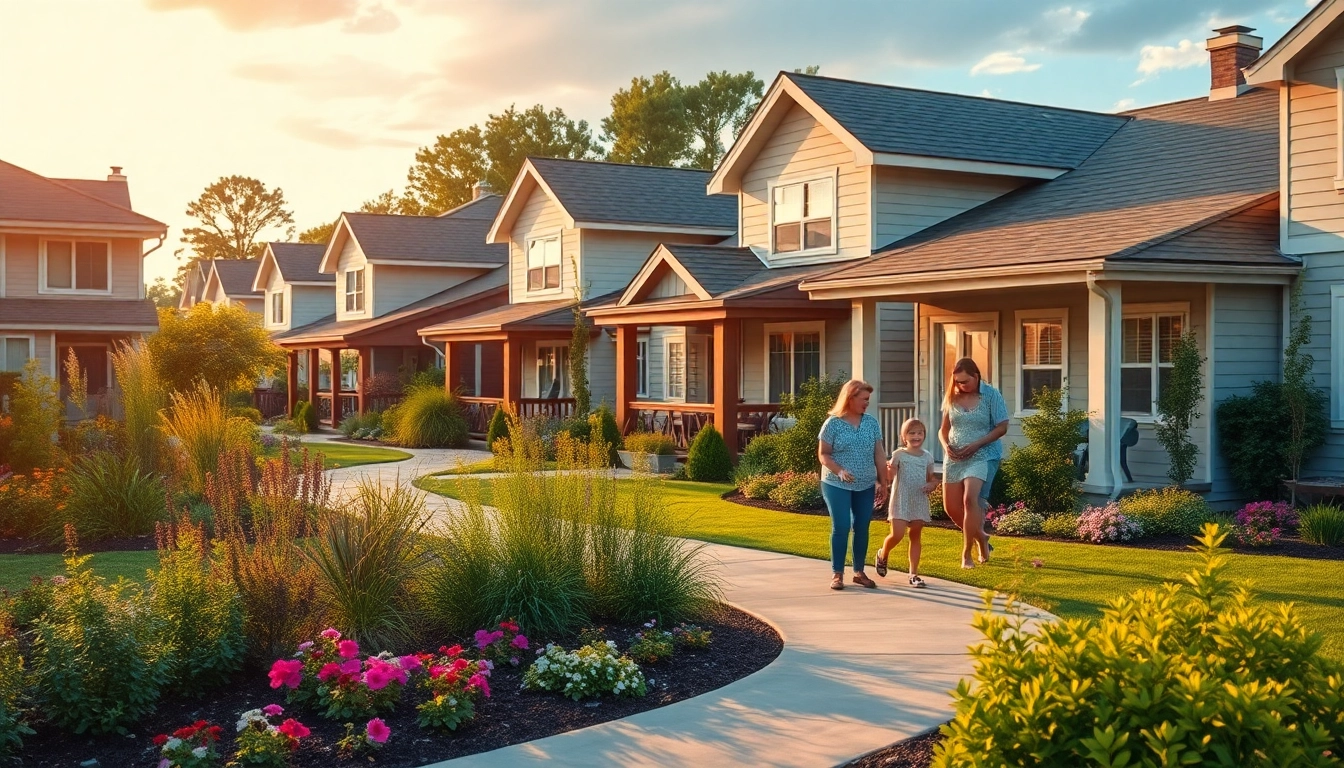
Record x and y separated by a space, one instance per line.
294 293
573 229
72 275
1116 235
392 275
229 283
193 285
1306 67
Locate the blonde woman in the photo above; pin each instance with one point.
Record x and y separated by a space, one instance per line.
853 471
975 417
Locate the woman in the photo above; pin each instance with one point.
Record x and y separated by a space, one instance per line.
974 418
853 470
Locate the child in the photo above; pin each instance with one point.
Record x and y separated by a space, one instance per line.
912 481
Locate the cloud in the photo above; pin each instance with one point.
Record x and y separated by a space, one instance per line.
377 20
341 77
312 130
1003 63
1154 59
1122 105
245 15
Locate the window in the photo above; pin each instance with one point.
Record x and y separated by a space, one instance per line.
552 370
16 351
675 381
543 263
72 265
803 216
354 290
1145 359
642 368
278 307
793 355
1042 355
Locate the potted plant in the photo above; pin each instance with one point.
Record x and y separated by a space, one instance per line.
649 452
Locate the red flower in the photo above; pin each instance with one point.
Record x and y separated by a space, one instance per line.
286 672
293 729
215 732
185 733
160 740
199 724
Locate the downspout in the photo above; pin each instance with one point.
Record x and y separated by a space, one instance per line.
438 354
162 238
1113 453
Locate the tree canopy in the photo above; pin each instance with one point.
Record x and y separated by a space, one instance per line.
233 213
163 293
659 121
321 234
225 346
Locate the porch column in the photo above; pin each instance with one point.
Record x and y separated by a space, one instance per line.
513 370
1104 313
314 366
291 381
727 351
335 353
865 347
627 372
362 380
448 373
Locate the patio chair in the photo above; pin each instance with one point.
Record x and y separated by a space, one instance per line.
1129 437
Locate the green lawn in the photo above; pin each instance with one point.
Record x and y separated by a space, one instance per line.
1075 579
17 570
337 455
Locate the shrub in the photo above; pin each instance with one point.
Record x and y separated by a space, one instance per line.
707 459
288 427
651 645
1260 466
1167 511
111 497
1178 407
1061 526
655 443
589 672
1262 523
429 418
199 614
192 746
692 636
936 509
260 744
13 718
246 412
355 423
501 645
36 413
499 427
204 432
225 345
1041 473
994 514
801 491
1020 522
304 417
602 427
1194 673
1101 524
758 486
797 447
32 602
32 504
455 685
761 456
1322 524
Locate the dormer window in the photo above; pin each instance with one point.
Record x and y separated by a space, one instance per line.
802 216
543 263
74 266
278 307
354 291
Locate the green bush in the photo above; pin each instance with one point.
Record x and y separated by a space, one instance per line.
1041 473
1061 526
13 717
390 419
708 460
35 413
251 414
602 424
800 491
1194 673
758 486
199 614
288 427
429 417
936 509
430 377
761 456
110 497
1259 466
655 443
1322 524
1020 522
499 427
355 423
797 449
1167 511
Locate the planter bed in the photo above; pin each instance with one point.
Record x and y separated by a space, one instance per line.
741 645
736 497
38 546
915 752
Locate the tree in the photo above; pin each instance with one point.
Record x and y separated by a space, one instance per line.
387 202
163 293
718 101
321 234
1178 406
1306 405
578 356
648 123
224 346
810 69
233 213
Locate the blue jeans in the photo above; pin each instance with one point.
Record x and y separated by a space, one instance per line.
849 510
989 483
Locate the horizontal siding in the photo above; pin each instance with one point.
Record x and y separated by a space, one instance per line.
906 200
1315 210
22 274
540 217
602 370
392 287
1247 346
1320 271
310 303
670 285
896 337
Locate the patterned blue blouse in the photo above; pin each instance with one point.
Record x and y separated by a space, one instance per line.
852 448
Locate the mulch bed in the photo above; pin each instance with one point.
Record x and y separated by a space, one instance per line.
915 752
736 497
741 645
46 546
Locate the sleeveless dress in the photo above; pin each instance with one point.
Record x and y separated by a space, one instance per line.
967 427
908 501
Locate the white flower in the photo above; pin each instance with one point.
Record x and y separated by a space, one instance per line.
172 743
198 752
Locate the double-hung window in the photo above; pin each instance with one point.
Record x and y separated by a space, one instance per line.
802 216
552 370
674 378
1146 359
642 367
75 266
543 263
793 355
278 307
354 291
14 353
1042 354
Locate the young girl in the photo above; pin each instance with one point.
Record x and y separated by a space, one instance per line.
912 481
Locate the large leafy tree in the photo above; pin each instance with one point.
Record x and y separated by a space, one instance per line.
320 234
163 293
233 212
720 100
224 346
648 123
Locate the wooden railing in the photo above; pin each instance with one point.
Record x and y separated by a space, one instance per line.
753 420
349 405
323 405
270 402
478 412
380 403
891 416
679 421
555 407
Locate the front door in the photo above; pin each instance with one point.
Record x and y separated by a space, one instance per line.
952 341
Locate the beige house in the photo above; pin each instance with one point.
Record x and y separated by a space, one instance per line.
229 283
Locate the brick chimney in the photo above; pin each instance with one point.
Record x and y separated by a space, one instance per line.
481 189
1231 50
116 174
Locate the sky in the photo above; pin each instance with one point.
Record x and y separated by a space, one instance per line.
329 99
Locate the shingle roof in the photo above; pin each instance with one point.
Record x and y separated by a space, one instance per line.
236 276
114 192
1169 171
907 121
78 313
636 194
557 313
299 262
425 238
730 272
484 207
27 196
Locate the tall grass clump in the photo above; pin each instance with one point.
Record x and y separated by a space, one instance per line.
143 398
1322 524
110 496
429 417
198 422
369 559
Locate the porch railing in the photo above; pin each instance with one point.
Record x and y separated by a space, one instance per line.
380 403
270 402
679 421
555 407
891 416
754 420
323 405
478 412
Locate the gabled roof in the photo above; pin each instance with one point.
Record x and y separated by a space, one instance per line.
115 192
297 263
890 125
59 313
30 200
557 315
483 207
707 270
235 277
1170 171
427 240
600 195
1273 64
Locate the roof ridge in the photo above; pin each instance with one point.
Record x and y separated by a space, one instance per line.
615 164
467 204
71 189
63 182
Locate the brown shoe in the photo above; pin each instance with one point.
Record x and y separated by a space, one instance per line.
862 580
838 581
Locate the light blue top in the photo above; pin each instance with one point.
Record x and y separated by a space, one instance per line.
969 426
853 449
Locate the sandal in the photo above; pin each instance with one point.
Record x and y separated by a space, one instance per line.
880 564
838 581
862 580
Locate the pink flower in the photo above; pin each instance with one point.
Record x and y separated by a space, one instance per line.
456 650
351 667
377 678
520 642
349 649
331 633
305 645
294 729
377 730
286 672
410 663
329 670
482 638
272 710
479 681
437 670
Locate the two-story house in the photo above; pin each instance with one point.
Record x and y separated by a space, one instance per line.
575 230
294 293
72 275
392 275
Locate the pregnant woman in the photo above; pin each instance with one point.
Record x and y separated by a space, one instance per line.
853 470
974 418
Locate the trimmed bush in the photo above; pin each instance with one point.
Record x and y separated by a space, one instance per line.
1322 524
1041 473
654 443
708 460
246 412
1020 522
429 417
800 491
761 456
758 486
499 427
304 417
1167 511
110 497
1061 526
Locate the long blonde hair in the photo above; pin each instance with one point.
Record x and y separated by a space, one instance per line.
964 365
848 392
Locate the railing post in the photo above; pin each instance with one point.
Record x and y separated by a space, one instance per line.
627 372
291 381
314 372
448 372
727 335
336 375
513 371
365 366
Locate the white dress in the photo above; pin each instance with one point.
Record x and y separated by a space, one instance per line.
909 502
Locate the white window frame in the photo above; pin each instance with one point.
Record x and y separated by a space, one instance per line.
559 265
1337 356
280 294
1030 315
32 348
818 327
642 366
42 286
668 341
776 256
1154 311
565 384
359 294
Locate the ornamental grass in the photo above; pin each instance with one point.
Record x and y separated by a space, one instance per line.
199 424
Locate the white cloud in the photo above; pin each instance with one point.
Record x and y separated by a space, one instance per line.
1066 20
1122 105
1003 63
1154 59
373 21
